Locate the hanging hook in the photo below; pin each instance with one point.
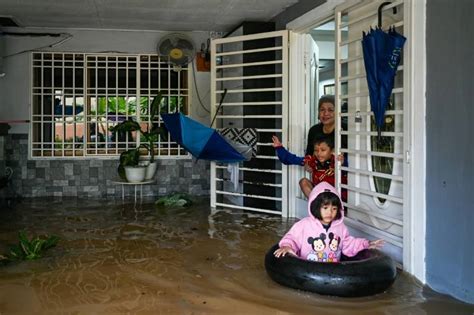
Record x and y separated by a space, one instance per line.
380 12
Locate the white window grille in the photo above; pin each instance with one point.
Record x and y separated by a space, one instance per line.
77 97
377 169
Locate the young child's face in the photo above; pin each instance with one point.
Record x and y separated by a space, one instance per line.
322 152
328 213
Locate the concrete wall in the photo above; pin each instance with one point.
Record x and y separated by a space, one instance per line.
450 148
294 12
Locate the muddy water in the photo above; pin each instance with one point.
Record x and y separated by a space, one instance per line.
116 258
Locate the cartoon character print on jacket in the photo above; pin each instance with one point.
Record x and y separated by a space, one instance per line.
333 246
318 244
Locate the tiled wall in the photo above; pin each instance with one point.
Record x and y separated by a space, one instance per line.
94 178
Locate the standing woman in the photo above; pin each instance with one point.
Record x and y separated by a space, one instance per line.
324 129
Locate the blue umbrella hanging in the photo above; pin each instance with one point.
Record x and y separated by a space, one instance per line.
382 52
199 140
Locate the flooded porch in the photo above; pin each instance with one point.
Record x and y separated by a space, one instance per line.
116 257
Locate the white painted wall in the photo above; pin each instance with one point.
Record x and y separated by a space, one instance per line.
15 85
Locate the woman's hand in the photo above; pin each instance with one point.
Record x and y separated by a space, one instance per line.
282 251
376 244
340 158
276 142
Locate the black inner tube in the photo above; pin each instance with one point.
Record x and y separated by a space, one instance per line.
369 272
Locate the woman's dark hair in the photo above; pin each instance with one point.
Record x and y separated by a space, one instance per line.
328 140
323 199
326 99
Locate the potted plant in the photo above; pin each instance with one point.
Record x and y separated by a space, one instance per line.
131 158
129 168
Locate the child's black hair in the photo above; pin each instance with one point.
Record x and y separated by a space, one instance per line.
328 140
323 199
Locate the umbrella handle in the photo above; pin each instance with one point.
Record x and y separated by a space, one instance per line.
379 135
379 12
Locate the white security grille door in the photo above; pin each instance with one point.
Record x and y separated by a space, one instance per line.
249 75
376 169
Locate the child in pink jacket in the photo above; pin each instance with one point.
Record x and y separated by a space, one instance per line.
323 236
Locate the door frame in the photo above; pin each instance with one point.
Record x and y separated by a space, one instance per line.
414 214
298 118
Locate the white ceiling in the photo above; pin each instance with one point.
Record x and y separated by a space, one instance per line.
165 15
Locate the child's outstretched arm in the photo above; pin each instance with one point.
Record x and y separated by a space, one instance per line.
376 244
276 142
291 242
284 155
352 245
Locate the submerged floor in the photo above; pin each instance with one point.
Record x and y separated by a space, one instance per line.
121 258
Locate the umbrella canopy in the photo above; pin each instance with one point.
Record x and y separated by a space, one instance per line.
201 141
382 52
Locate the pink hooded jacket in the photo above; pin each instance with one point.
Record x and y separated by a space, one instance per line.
310 240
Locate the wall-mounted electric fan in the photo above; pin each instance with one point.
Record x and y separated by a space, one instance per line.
177 49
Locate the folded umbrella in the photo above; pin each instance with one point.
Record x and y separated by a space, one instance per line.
199 140
382 52
388 68
369 50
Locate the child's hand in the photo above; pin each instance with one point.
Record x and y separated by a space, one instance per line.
282 251
276 142
309 163
376 244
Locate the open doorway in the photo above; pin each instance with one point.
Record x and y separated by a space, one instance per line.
375 174
324 36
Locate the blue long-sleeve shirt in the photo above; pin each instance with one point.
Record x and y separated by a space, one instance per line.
289 158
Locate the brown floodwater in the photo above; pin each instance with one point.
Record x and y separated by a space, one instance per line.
121 258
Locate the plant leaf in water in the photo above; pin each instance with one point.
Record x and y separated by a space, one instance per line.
16 253
51 241
24 243
31 249
174 200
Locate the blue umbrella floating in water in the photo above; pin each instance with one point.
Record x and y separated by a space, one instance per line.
382 52
199 140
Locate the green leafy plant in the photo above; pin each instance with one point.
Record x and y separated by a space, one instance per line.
150 134
31 249
174 200
128 158
121 105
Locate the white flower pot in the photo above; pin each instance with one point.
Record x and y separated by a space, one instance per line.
151 170
135 174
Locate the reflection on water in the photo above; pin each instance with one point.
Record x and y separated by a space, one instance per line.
120 258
